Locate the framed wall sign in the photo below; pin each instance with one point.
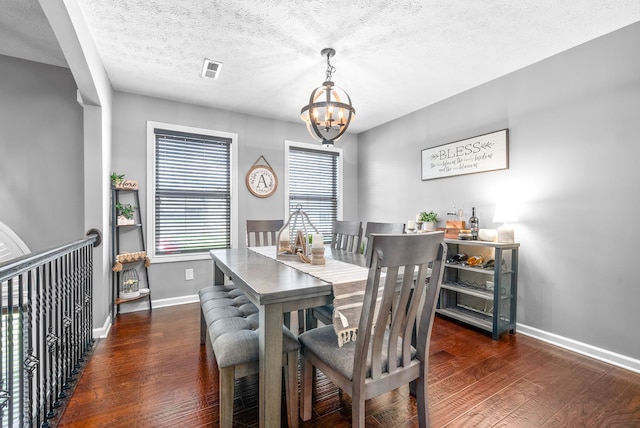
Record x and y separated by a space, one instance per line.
261 180
488 152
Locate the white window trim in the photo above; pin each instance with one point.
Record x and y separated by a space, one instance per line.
151 189
316 147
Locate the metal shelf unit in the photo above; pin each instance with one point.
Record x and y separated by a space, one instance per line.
465 294
116 234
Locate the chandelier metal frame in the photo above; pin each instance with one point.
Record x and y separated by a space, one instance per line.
328 118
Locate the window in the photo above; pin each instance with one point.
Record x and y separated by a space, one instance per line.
314 181
190 202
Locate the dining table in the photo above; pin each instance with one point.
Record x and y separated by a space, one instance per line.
275 288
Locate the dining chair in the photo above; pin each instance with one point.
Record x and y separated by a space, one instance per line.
379 228
383 358
346 235
324 313
262 232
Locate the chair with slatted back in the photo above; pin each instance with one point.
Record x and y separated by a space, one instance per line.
383 358
324 313
262 232
346 235
381 229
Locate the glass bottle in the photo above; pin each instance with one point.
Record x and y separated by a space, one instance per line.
473 224
453 214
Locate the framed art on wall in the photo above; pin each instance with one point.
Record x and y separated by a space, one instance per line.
261 179
487 152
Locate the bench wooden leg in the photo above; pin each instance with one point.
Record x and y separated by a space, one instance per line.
203 328
225 395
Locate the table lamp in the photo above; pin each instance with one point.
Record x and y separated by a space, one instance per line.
505 213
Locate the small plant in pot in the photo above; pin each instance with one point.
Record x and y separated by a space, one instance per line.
429 219
125 214
116 179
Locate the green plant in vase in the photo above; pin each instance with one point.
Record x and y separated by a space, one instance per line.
125 213
116 179
429 219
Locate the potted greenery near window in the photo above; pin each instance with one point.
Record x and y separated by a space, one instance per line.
116 179
429 220
125 214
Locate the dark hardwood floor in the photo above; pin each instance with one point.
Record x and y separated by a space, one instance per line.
152 372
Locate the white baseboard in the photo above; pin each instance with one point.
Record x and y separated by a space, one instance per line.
103 332
600 354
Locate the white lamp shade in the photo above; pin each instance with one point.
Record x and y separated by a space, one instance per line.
505 213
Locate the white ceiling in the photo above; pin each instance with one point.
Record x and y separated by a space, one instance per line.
393 56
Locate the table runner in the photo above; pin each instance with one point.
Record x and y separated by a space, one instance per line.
348 283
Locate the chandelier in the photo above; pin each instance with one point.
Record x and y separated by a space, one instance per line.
327 116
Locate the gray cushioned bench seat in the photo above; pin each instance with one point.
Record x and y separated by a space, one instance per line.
230 322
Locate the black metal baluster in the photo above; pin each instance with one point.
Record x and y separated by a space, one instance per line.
42 378
10 356
4 394
50 341
30 362
21 347
65 348
41 402
76 307
56 307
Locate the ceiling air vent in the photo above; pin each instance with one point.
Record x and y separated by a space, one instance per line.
211 69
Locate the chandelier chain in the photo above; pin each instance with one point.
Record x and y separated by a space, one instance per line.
330 69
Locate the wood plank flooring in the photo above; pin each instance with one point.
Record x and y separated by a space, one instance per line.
152 372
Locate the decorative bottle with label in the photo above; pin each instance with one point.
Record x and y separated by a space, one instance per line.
473 224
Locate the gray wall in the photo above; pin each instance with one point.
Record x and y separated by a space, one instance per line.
41 153
574 122
256 136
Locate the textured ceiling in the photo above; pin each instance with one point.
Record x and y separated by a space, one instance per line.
26 34
393 57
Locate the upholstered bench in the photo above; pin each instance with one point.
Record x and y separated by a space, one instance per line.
230 322
222 301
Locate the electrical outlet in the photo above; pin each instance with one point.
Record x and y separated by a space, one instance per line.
188 274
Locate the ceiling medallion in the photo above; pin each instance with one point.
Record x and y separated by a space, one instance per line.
327 116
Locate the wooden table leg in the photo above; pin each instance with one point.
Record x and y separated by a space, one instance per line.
218 275
270 336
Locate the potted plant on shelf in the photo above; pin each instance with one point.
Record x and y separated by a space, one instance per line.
429 220
125 216
116 179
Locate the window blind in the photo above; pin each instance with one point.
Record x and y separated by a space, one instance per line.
192 193
313 184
